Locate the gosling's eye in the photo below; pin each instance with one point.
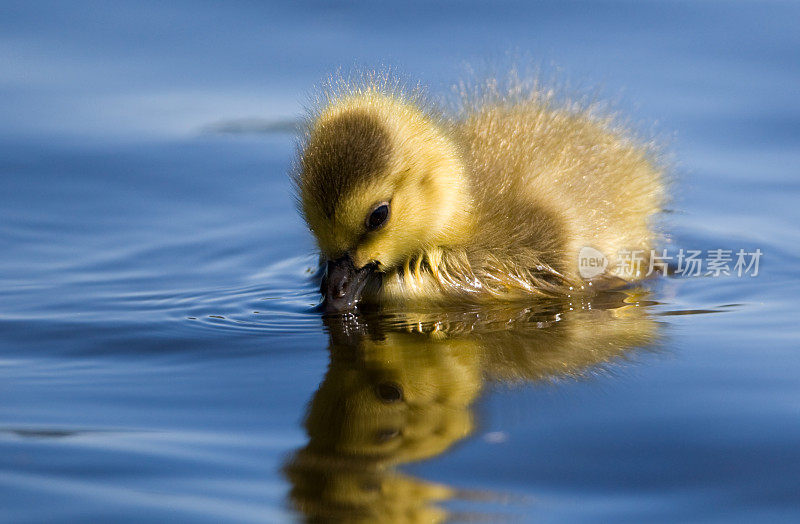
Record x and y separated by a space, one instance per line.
378 216
389 392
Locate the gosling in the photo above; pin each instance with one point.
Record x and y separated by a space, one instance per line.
414 206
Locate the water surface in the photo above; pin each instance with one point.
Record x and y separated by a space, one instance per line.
160 357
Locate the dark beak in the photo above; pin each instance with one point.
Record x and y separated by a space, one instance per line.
343 284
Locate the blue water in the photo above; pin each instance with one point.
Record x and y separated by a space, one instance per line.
159 356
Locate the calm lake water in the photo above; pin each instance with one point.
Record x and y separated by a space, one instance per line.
159 355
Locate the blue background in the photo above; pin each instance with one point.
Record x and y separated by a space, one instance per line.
157 350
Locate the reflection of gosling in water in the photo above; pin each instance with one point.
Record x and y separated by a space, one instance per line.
383 402
496 203
403 391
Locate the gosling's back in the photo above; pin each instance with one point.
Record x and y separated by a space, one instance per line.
548 182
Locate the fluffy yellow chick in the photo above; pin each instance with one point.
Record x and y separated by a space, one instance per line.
496 201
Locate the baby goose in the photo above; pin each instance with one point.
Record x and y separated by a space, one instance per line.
496 203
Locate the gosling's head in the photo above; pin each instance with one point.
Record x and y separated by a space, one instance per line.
379 181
